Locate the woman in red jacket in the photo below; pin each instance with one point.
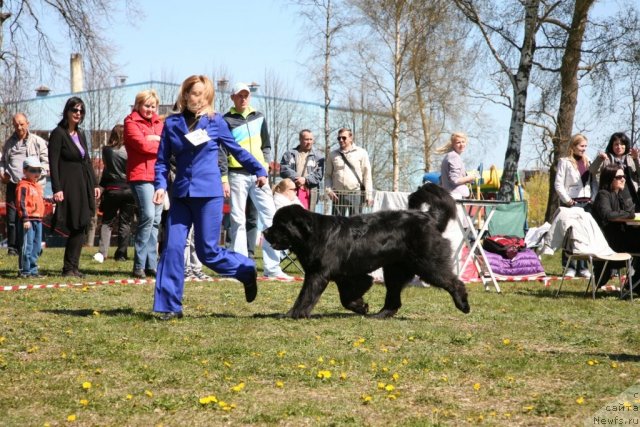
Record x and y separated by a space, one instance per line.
142 129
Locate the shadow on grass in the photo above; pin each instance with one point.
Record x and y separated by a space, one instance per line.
346 315
116 312
618 357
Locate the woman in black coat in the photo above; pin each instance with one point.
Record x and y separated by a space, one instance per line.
73 182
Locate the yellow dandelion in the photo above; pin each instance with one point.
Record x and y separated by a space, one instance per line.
529 408
412 338
302 366
279 384
476 386
374 366
149 393
627 405
86 385
84 402
2 339
384 350
580 400
333 362
391 397
506 341
444 378
323 374
222 404
46 425
381 386
204 400
227 364
389 387
98 371
405 361
281 353
129 397
366 399
507 415
395 376
592 362
343 376
238 388
204 361
320 359
32 349
614 365
71 418
385 369
96 313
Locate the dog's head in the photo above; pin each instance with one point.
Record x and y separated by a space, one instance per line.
291 226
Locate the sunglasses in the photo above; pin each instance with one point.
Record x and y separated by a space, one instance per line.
619 177
77 110
34 170
342 138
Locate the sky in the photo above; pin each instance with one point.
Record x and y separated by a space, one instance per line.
173 40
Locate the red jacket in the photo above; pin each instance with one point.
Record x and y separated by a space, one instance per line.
141 153
29 200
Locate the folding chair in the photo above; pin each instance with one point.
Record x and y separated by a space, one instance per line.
289 258
568 248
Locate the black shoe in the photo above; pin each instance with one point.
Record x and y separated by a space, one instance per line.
72 273
150 272
251 286
171 315
139 274
12 252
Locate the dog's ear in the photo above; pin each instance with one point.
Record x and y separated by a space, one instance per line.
301 221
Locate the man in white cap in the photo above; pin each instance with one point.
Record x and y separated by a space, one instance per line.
19 146
249 128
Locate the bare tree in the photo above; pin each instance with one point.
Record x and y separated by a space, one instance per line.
282 115
325 22
27 37
515 59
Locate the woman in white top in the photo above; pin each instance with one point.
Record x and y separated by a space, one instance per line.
575 187
453 176
284 194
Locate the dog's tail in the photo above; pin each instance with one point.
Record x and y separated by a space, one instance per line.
441 205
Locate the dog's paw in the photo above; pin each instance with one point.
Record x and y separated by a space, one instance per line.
384 314
358 306
460 300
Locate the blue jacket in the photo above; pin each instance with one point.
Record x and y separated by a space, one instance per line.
197 171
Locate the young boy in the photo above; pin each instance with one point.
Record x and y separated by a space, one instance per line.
30 207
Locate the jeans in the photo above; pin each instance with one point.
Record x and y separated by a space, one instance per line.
31 247
13 221
146 239
243 185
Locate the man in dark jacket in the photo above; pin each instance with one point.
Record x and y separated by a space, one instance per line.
304 165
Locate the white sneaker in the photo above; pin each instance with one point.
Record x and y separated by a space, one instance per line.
585 273
98 258
281 276
571 272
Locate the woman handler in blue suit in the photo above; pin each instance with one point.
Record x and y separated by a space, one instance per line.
193 137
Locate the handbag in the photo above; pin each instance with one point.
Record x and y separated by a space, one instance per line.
362 187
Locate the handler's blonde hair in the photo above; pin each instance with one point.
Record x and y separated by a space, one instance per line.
144 96
575 140
185 88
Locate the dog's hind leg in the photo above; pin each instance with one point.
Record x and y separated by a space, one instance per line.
396 276
442 277
352 289
313 286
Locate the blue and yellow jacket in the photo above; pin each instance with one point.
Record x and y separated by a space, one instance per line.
250 131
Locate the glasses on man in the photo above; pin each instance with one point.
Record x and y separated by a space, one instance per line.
77 110
619 177
34 170
342 138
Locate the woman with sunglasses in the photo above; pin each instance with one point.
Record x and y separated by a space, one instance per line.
611 205
73 181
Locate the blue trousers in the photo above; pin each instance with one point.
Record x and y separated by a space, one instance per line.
146 239
31 245
205 213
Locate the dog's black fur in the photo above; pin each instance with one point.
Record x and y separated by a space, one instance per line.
346 249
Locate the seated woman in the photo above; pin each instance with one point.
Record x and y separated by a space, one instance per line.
611 205
284 194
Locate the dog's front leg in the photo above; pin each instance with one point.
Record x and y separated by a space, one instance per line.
313 286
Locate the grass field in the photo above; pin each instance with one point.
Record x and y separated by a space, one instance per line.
96 355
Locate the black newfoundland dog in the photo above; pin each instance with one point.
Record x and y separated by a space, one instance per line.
347 249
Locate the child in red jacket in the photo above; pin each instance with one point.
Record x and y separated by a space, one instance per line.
30 207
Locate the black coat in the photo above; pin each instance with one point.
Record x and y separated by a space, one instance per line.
609 206
72 174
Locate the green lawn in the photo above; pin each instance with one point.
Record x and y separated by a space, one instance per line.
96 355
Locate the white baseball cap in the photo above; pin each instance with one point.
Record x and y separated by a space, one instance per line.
239 87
